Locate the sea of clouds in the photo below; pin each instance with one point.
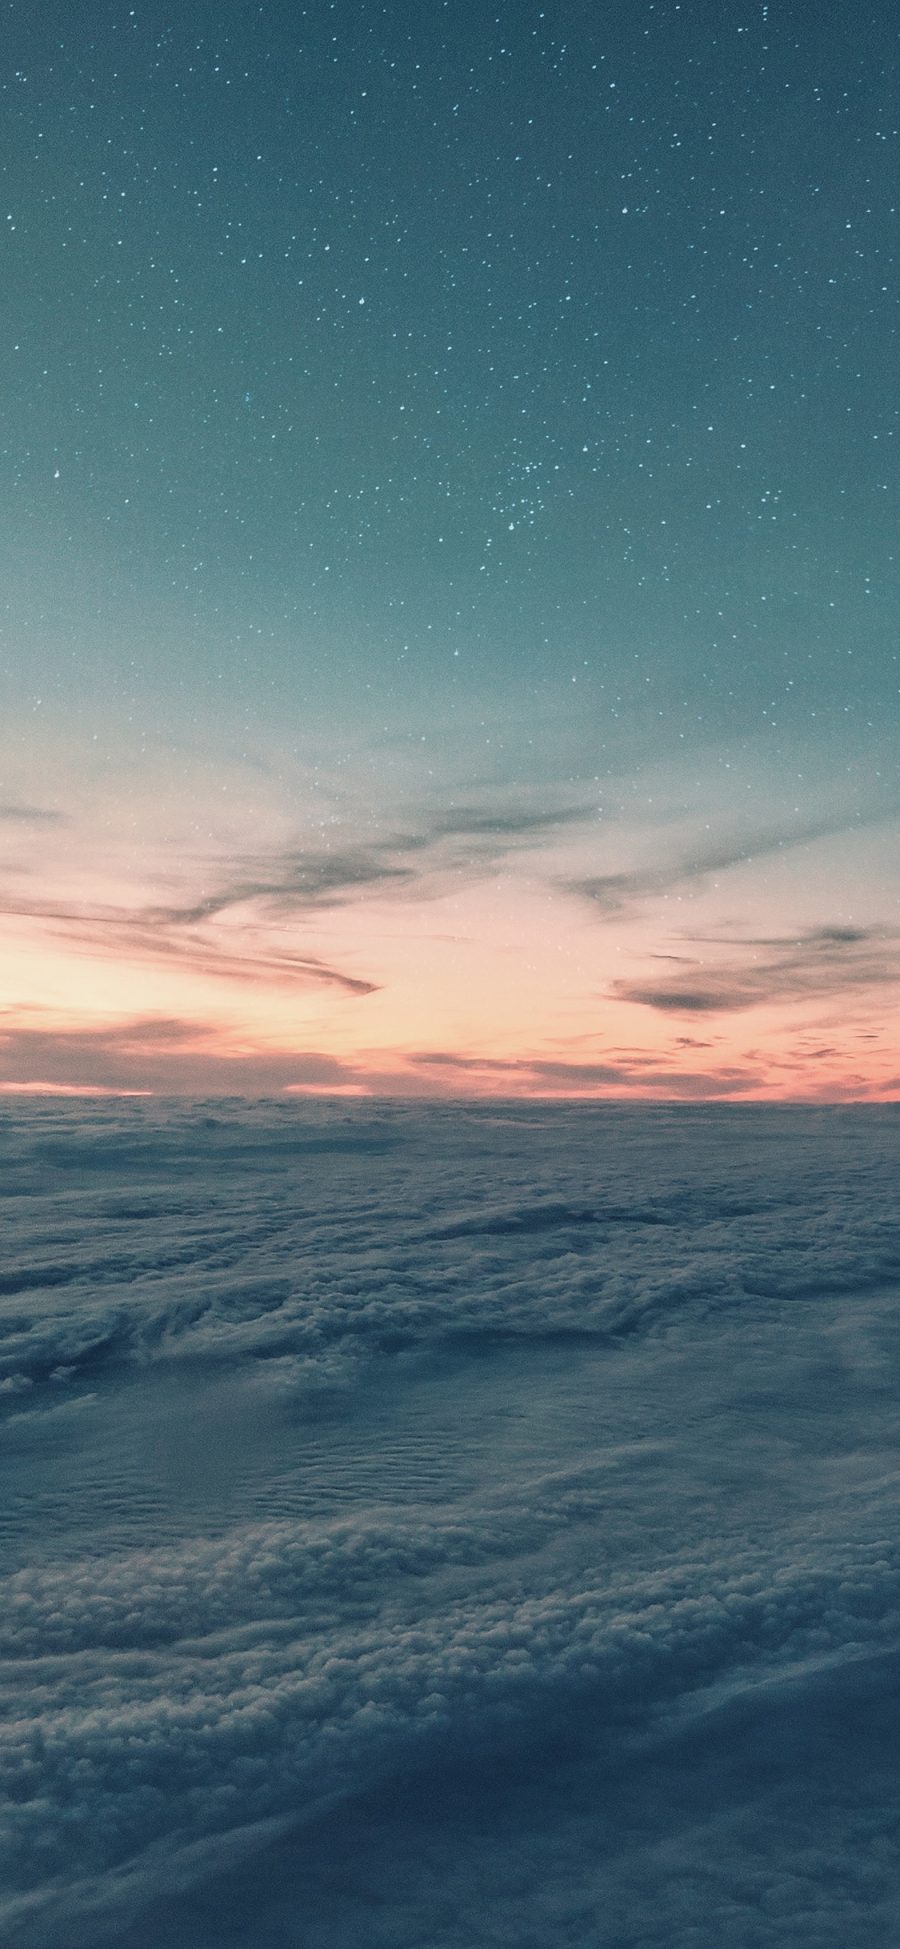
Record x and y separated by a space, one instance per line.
449 1526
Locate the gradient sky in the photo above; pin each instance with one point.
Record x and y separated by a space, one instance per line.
449 501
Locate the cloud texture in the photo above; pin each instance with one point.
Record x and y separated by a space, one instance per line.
450 1526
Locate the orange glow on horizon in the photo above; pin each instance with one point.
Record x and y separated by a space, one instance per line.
504 985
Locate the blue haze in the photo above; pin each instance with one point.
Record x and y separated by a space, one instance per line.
449 1526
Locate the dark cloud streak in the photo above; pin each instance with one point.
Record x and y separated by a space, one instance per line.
559 1076
30 815
822 961
294 881
163 1054
614 893
155 933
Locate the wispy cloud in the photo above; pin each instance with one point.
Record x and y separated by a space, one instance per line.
259 895
293 881
613 893
504 825
154 933
30 815
420 858
556 1076
552 1069
821 961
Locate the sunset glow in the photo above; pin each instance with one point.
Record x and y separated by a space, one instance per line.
451 598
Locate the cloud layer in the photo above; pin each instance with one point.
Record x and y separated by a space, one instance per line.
818 962
446 1518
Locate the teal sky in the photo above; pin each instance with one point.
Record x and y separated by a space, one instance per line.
416 408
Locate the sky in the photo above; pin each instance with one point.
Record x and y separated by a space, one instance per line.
449 500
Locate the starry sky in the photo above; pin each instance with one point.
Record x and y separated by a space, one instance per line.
449 499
